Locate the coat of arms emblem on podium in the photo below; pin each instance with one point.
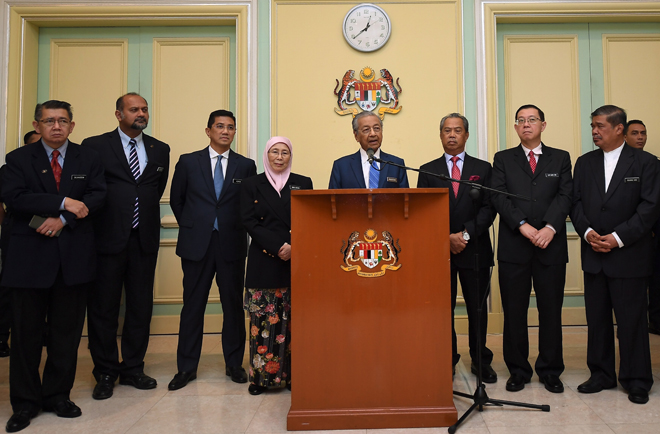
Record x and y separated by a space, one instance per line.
368 92
371 253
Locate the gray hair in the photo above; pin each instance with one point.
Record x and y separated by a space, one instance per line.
466 125
364 114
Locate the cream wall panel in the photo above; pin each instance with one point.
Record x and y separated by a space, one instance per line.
89 74
182 111
631 71
574 282
310 53
543 70
168 284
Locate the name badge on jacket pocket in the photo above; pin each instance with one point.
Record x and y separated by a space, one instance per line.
552 175
631 179
294 187
236 181
160 169
78 177
392 179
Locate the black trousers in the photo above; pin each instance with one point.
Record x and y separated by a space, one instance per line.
197 280
473 297
627 297
133 270
515 288
654 290
5 313
64 306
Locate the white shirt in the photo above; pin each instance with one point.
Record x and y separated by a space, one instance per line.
459 163
365 164
214 160
139 148
610 159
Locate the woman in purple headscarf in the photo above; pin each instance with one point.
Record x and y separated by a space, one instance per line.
266 214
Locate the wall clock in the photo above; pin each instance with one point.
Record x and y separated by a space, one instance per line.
367 27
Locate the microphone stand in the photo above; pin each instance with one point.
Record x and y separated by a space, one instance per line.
480 398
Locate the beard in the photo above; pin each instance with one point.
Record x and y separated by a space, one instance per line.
139 124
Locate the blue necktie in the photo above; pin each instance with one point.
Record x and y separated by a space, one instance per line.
373 176
218 180
134 164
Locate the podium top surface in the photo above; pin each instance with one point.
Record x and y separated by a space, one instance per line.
345 191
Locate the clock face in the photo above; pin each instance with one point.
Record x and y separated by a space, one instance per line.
367 27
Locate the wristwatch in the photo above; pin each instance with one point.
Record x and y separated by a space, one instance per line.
466 236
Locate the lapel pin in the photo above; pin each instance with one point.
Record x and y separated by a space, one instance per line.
44 171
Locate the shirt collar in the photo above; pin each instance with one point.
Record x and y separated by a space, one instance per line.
460 156
363 155
214 154
125 140
537 151
50 150
614 153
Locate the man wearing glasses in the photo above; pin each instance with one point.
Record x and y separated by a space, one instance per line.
354 171
52 187
532 248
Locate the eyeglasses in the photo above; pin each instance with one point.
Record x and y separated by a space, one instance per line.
223 126
366 130
532 120
50 122
275 153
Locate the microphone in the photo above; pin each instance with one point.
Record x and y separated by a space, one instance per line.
370 155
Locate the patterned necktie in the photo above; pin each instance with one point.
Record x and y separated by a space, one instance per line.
218 181
57 169
532 161
134 164
456 174
373 176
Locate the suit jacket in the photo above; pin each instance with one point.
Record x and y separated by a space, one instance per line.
550 190
630 207
347 173
267 218
196 207
461 209
29 189
114 223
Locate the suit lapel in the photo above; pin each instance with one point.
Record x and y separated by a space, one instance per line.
204 161
71 165
278 204
232 165
468 165
522 161
356 166
543 160
598 169
625 160
118 149
151 154
42 167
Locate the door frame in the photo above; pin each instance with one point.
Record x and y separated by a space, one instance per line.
20 21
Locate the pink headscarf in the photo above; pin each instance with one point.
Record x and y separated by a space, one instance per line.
277 180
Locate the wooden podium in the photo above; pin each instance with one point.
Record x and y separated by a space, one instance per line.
371 309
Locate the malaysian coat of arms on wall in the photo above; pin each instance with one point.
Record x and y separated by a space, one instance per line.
368 92
370 253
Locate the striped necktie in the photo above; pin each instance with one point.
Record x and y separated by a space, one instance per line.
218 181
456 174
532 161
373 176
134 164
57 169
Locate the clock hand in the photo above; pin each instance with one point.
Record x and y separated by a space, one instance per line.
365 29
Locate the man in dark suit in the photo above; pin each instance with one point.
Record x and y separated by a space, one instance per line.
464 229
354 171
532 248
636 136
52 188
615 204
128 234
205 199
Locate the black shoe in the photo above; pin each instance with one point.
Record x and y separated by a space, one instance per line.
103 388
139 381
653 329
638 395
488 375
64 408
181 379
552 383
253 389
237 374
4 352
593 386
515 383
19 420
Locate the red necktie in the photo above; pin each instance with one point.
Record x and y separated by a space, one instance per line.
57 169
456 174
532 161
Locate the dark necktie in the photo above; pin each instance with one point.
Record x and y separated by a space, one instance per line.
456 174
532 162
57 169
218 181
134 164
